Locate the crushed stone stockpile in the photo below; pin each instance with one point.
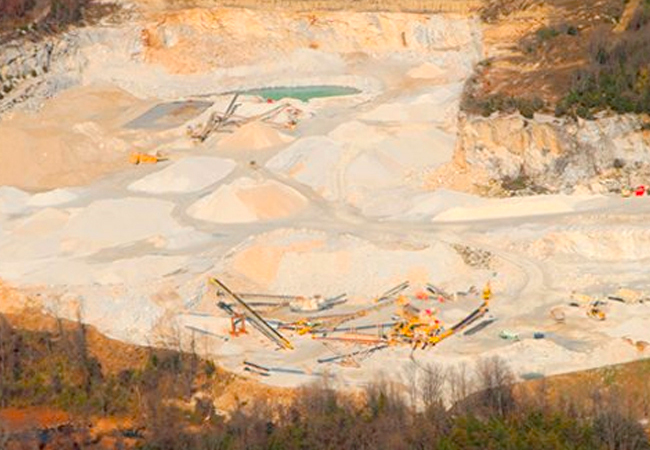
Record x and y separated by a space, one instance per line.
312 161
253 136
356 161
286 260
613 241
15 201
439 105
190 174
428 71
110 223
247 200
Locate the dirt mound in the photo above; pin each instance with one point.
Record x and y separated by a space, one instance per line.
247 200
427 71
254 136
287 260
186 175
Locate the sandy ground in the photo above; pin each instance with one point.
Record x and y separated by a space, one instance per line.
337 204
73 140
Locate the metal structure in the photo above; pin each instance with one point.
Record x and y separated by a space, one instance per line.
254 318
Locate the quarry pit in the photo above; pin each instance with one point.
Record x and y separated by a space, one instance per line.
346 171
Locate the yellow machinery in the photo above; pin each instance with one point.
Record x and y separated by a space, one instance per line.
595 311
418 332
144 158
487 291
594 307
418 328
425 329
303 327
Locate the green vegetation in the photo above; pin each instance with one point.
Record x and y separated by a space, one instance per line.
15 8
572 30
56 369
66 11
546 33
17 16
485 106
494 9
495 418
618 76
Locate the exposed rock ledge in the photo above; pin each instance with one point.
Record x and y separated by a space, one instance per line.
553 154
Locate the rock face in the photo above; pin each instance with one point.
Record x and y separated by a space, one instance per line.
199 40
24 66
557 154
18 61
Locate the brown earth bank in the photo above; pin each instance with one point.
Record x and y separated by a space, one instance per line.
35 19
420 6
565 57
64 385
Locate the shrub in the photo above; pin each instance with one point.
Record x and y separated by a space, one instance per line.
494 9
66 11
546 33
618 77
527 107
15 8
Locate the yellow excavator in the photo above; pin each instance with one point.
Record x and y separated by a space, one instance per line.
594 307
595 311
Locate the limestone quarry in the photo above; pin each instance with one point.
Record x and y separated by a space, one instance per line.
288 199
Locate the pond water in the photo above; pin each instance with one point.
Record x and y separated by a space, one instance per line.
303 93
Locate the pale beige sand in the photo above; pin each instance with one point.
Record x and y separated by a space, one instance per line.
253 136
70 141
247 200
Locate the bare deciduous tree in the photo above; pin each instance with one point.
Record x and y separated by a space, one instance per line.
460 386
4 437
412 383
432 385
495 381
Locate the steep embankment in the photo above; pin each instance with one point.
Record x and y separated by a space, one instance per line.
199 40
554 106
548 154
316 6
24 64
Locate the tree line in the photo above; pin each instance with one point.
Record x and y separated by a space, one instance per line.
465 407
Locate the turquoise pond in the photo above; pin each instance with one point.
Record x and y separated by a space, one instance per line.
303 93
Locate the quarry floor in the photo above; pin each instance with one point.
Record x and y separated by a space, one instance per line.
340 203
